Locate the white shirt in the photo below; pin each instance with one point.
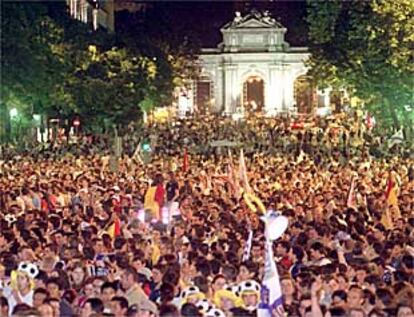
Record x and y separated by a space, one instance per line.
27 299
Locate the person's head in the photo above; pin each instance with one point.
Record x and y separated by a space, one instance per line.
355 297
119 306
190 310
97 283
55 303
78 274
339 298
157 273
92 306
138 261
247 271
23 281
45 310
316 251
305 302
257 251
4 306
287 285
128 278
88 288
149 309
99 246
282 248
53 287
25 310
218 283
356 312
108 290
405 311
39 296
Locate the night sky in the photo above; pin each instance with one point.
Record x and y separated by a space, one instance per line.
203 19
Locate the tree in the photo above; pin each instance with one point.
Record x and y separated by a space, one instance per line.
109 85
29 68
366 47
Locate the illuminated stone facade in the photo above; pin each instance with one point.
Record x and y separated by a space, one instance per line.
253 47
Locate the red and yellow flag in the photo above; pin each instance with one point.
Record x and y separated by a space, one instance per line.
114 230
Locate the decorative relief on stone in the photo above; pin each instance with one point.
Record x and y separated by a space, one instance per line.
253 39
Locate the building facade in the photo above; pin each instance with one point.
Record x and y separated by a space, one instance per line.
99 13
254 69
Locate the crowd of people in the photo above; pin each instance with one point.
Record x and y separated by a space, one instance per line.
81 236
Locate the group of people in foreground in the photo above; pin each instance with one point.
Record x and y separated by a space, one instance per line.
177 237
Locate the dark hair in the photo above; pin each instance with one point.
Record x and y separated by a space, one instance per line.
337 312
96 305
3 301
23 309
190 310
108 285
123 302
202 283
131 271
166 292
285 245
299 253
54 280
169 310
317 246
41 290
341 294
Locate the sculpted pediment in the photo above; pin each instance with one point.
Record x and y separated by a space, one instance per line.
253 20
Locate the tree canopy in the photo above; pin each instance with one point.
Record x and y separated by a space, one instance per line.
367 48
57 66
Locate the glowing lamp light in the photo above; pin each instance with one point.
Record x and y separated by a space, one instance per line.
146 147
13 112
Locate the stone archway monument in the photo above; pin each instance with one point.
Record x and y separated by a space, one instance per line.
254 50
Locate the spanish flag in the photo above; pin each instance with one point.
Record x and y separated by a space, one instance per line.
114 230
391 197
391 191
154 200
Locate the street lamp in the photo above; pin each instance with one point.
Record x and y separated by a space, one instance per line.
13 113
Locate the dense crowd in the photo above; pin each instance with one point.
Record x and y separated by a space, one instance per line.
80 237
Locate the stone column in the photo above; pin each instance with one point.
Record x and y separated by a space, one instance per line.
274 93
229 88
219 90
288 91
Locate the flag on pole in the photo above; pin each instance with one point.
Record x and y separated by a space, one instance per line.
185 161
243 173
351 199
271 299
232 179
114 230
271 292
248 246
